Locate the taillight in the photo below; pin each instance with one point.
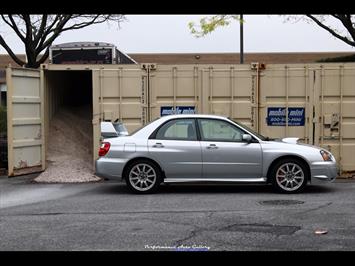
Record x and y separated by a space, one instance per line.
105 147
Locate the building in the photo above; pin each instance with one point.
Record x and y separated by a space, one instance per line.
215 58
234 58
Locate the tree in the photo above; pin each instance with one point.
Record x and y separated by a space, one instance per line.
340 26
346 34
37 32
209 24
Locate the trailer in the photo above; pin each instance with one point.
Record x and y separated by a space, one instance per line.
88 53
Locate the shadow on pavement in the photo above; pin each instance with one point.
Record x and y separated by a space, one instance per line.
216 188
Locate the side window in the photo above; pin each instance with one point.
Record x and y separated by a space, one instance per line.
178 129
219 130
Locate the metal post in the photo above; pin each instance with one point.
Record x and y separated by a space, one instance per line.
241 40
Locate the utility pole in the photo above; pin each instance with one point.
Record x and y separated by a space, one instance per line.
241 40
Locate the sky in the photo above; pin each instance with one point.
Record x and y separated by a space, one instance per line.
170 34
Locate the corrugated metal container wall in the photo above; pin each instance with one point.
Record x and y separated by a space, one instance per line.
242 93
319 99
286 86
217 89
326 93
119 93
230 90
336 112
53 96
25 121
173 86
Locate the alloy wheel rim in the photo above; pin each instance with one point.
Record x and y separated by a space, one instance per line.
290 176
142 177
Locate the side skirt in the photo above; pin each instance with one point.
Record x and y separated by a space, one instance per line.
217 180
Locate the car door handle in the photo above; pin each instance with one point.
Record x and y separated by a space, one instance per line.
158 145
212 147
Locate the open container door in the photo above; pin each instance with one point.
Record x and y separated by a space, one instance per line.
25 121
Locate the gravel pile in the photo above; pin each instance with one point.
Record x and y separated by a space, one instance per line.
69 157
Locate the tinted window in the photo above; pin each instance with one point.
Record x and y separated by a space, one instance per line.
178 129
219 130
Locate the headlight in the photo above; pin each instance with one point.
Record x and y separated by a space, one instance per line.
327 156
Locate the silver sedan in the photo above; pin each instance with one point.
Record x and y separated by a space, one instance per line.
209 148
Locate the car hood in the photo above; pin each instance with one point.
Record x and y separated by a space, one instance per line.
290 140
294 141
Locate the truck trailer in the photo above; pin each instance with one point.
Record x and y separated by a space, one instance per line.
88 53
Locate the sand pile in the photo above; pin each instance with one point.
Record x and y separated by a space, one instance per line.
69 157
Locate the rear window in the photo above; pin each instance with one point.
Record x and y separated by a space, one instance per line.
120 128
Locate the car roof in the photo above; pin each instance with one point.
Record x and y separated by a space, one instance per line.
194 116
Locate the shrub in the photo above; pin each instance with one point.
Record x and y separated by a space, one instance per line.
348 58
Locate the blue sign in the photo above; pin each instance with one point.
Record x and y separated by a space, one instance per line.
276 116
169 110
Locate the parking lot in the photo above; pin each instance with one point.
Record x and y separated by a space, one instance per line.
105 216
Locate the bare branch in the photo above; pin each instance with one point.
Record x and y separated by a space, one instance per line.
332 31
38 32
347 23
44 57
94 19
41 29
12 24
46 32
10 52
57 30
27 20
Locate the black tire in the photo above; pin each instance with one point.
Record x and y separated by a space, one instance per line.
283 184
131 178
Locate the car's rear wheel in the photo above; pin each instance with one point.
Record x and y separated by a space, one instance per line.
143 177
289 175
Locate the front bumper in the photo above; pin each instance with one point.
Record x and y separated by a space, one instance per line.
323 172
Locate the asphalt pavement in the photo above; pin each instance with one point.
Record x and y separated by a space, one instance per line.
106 216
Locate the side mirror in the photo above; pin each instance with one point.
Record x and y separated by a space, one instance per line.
246 138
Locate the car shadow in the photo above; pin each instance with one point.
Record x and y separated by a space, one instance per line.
214 188
312 189
217 189
235 188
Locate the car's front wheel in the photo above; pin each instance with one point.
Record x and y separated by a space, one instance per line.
289 175
143 177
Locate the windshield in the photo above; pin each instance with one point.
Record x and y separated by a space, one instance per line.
250 130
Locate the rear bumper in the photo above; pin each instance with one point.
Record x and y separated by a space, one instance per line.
323 172
109 168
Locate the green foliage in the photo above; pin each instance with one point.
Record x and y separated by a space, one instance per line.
3 120
348 58
209 24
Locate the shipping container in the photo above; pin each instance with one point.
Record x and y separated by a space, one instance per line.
314 102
